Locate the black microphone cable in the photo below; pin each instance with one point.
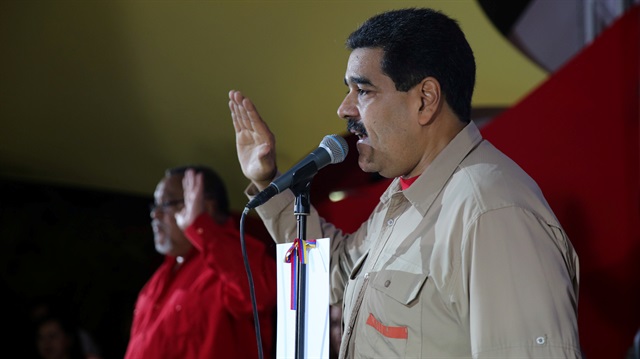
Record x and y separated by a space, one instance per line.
251 288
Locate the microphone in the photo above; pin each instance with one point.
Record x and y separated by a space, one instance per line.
332 149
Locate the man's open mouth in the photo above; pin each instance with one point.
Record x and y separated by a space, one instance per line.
357 128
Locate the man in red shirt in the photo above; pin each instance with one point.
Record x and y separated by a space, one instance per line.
197 303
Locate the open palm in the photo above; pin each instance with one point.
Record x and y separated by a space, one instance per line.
255 143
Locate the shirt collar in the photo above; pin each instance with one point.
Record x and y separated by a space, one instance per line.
426 188
406 183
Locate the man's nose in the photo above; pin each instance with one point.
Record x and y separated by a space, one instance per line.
347 108
155 212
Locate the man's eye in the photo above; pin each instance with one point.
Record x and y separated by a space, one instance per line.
362 92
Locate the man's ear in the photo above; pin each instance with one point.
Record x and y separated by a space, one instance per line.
430 97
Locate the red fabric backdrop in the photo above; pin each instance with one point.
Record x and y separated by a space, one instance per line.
577 136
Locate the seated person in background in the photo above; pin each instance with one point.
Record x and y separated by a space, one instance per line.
50 310
197 303
57 338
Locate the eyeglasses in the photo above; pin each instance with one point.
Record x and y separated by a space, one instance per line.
165 206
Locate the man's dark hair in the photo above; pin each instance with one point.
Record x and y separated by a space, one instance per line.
214 188
420 43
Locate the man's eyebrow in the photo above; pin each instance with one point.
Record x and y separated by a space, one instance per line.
357 80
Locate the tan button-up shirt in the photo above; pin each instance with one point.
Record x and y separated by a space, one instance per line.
469 261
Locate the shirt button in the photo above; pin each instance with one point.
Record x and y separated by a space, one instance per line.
390 222
540 340
178 308
200 230
348 330
387 282
366 275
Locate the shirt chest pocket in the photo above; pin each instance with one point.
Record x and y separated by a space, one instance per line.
391 316
403 287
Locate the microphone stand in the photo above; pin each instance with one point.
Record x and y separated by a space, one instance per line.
301 179
302 208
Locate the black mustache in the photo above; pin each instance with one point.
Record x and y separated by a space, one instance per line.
356 126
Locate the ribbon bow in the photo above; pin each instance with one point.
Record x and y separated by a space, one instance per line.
298 250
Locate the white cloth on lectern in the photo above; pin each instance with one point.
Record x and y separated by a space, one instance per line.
317 304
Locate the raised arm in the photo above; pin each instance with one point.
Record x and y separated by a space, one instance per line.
255 143
193 199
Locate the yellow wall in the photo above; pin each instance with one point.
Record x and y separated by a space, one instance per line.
107 94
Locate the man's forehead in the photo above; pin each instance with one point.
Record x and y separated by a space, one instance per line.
364 63
170 186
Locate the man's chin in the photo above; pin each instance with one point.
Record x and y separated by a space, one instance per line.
366 169
366 166
162 246
369 167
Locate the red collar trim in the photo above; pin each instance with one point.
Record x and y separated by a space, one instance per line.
405 183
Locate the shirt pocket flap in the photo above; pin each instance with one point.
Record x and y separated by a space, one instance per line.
399 285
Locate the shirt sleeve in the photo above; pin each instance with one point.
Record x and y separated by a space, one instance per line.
522 287
221 247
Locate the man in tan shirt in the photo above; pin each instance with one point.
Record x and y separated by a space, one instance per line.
462 257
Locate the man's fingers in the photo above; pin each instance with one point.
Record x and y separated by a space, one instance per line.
187 181
197 183
240 113
237 126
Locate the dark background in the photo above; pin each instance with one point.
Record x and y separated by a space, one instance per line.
91 250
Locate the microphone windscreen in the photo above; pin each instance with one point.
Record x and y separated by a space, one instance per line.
337 147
